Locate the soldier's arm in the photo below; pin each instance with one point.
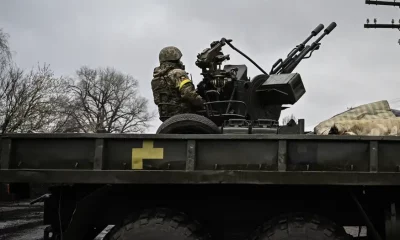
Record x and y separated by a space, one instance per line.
186 87
154 89
189 92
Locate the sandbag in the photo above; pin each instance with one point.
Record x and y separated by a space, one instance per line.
373 127
371 111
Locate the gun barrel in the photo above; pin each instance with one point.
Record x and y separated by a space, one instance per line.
326 32
330 28
313 34
293 64
317 29
280 65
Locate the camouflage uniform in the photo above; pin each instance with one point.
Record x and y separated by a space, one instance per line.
172 85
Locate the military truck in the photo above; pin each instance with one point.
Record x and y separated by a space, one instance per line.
246 178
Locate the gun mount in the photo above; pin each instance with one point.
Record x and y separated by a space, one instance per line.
234 98
231 94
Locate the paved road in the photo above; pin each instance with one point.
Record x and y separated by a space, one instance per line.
22 221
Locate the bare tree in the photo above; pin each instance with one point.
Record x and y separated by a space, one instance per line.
287 119
5 52
105 100
27 100
98 100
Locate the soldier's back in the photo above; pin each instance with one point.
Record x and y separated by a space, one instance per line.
166 93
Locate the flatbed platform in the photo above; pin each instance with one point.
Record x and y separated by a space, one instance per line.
200 159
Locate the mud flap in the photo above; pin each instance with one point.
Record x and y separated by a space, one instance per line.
85 212
392 222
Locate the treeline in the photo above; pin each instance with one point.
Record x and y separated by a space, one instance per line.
93 100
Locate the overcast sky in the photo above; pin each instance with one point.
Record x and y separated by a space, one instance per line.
354 65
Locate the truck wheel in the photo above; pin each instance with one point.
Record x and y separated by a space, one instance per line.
256 109
300 227
188 124
158 224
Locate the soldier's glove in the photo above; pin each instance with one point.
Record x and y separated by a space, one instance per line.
200 103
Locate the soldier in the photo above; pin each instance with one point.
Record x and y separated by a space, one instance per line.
172 85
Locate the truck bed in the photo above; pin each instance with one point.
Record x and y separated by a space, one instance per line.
200 159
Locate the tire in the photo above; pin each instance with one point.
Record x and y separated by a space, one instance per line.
188 124
255 108
300 226
158 224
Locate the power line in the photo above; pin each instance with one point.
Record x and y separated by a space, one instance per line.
383 25
382 3
375 25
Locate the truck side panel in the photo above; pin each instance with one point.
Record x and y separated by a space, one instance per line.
314 155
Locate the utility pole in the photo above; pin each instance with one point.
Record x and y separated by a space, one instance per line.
393 25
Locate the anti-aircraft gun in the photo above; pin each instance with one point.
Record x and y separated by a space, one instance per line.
234 102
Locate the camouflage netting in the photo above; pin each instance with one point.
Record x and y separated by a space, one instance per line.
373 119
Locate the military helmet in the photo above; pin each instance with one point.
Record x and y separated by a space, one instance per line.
170 53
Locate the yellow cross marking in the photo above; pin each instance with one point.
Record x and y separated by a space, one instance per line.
146 152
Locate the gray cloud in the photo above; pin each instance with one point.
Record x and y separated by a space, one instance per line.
353 66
